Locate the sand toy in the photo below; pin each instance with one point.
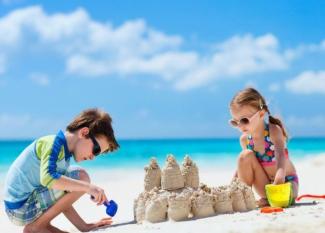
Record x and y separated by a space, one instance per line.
111 207
269 210
310 196
279 195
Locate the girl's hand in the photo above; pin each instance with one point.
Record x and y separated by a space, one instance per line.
279 177
101 223
97 194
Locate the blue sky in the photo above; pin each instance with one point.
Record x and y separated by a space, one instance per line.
163 69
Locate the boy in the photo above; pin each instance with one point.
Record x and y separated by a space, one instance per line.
40 184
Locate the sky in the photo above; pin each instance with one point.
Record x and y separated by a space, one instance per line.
162 69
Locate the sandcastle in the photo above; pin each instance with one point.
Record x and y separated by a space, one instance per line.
175 193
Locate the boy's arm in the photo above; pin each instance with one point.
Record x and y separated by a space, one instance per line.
80 224
68 184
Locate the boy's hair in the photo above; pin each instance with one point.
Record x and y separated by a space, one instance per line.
98 122
251 97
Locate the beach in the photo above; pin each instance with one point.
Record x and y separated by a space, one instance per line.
124 185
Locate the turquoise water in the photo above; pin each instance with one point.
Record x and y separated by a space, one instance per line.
136 153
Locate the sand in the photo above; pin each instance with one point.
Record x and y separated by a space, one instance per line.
124 188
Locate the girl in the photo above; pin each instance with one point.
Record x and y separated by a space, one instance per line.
264 158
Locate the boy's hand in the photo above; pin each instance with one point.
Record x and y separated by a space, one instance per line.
97 194
101 223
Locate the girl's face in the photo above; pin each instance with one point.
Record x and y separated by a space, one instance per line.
83 149
247 118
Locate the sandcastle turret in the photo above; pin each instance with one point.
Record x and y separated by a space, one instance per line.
222 200
190 173
242 196
248 194
179 205
152 176
202 204
171 177
156 208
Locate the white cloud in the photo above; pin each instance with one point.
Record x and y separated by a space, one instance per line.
308 82
235 57
304 48
168 65
40 79
92 48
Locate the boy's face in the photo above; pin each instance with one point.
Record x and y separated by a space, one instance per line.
84 145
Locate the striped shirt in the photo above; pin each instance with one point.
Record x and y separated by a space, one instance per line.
40 164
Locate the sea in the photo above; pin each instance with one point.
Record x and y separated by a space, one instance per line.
135 154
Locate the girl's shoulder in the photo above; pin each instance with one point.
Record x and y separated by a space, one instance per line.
276 133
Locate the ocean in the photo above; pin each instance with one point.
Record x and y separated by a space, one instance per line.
137 153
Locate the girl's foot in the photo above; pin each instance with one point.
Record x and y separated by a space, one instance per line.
262 202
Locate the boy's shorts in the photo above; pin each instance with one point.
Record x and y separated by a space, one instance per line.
39 201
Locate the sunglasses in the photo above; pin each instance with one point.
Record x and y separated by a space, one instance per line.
96 147
242 121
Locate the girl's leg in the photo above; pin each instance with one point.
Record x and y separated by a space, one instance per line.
252 173
42 224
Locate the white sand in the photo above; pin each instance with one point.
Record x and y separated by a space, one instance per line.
124 185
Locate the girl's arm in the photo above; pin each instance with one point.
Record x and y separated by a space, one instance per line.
242 141
279 150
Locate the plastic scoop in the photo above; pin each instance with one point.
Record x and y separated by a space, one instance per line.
111 207
279 195
269 210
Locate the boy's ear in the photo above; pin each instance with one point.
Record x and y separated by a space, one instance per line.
262 113
83 132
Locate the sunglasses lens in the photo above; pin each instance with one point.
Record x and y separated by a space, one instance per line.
233 123
244 121
96 150
96 147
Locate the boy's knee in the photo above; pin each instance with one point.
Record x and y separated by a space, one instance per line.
83 175
245 156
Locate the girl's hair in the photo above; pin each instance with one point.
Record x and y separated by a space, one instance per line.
98 122
251 97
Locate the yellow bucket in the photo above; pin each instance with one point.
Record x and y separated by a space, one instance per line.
279 195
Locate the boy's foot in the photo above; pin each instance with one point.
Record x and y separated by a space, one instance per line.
262 202
30 229
53 229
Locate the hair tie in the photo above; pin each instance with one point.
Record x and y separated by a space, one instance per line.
261 104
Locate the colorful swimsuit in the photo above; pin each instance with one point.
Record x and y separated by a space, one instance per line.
268 158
